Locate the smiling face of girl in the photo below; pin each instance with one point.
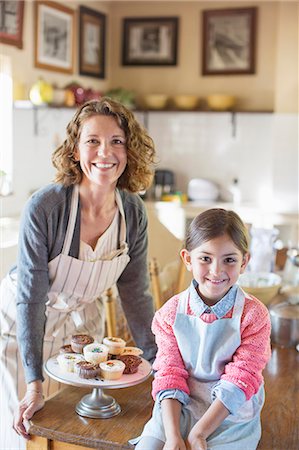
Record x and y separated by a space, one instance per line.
216 265
102 150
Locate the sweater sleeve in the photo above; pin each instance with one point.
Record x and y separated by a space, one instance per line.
171 372
32 288
251 357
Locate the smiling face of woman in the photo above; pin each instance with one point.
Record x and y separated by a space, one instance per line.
102 150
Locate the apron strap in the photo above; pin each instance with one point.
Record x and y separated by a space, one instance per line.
239 303
123 227
183 302
72 220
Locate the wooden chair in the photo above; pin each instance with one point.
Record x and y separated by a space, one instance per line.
167 281
116 324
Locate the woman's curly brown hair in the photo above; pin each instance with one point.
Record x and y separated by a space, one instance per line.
138 173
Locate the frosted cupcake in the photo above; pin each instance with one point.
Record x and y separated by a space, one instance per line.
79 341
112 369
95 353
67 361
132 351
115 345
86 369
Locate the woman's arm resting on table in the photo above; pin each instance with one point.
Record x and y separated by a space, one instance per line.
33 401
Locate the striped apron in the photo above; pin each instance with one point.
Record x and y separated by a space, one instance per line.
73 306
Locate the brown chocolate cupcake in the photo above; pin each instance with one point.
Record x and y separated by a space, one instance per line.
131 362
66 349
79 341
86 369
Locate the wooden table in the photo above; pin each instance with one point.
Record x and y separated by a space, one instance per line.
58 427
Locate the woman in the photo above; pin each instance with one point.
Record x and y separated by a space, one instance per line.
78 237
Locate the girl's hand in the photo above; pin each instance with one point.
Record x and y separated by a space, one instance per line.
175 443
32 402
196 441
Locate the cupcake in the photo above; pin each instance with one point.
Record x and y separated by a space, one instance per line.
115 345
66 349
131 362
86 369
95 353
112 370
132 351
67 361
79 341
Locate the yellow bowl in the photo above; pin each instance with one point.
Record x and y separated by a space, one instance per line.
185 101
221 102
155 101
263 286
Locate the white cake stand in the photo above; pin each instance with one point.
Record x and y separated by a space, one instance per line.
97 405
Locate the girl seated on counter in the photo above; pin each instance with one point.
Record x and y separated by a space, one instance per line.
213 343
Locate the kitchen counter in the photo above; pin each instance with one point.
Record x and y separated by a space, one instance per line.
176 215
57 426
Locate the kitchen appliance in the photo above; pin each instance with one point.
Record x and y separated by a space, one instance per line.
202 189
285 321
164 183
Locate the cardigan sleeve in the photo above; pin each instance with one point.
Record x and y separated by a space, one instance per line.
32 288
171 372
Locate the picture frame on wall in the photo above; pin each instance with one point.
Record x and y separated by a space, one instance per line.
150 41
54 36
11 23
229 41
92 34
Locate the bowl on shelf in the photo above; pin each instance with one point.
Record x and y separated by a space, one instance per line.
262 285
221 102
155 101
185 101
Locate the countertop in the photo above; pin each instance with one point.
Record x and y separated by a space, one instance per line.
58 421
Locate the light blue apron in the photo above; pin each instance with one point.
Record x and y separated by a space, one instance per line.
206 348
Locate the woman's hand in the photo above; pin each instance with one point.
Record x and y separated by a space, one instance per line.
32 402
174 443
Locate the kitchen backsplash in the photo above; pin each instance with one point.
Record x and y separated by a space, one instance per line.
260 149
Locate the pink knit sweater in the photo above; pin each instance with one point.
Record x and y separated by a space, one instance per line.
245 369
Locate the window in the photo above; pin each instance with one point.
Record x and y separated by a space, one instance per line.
6 105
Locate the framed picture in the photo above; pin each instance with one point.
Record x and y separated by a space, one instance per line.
92 29
54 36
229 41
150 41
11 23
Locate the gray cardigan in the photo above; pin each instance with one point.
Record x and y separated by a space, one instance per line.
42 232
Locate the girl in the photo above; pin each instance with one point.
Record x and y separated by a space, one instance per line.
213 343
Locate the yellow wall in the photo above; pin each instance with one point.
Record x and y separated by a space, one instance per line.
286 80
23 69
253 91
273 87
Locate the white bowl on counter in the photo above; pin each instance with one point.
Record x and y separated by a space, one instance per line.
202 189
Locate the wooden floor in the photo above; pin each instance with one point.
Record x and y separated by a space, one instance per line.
280 415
